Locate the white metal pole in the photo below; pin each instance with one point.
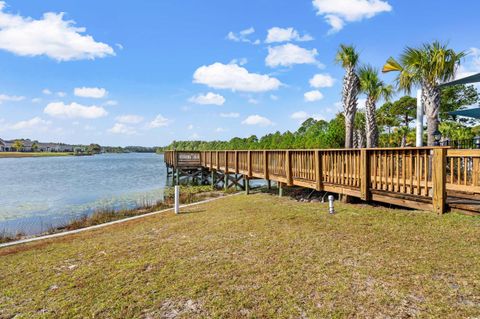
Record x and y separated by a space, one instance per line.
419 139
177 199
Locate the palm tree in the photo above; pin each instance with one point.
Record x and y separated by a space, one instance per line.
427 67
348 57
374 89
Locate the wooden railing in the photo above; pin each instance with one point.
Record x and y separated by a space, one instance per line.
409 177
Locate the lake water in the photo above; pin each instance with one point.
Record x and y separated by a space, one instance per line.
38 193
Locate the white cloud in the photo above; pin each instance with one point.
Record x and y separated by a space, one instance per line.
61 94
47 92
50 35
10 98
190 127
322 81
230 115
34 123
159 121
36 100
273 97
312 96
337 13
234 77
129 119
208 99
277 34
241 61
111 103
302 116
90 92
257 120
290 54
220 130
253 101
242 36
119 128
471 64
74 110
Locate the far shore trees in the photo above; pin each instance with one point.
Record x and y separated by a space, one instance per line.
348 57
426 66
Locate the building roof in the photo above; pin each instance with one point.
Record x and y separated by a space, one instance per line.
466 80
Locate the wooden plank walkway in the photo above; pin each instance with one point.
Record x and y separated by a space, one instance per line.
418 178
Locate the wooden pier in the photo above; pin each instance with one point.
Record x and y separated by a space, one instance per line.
426 178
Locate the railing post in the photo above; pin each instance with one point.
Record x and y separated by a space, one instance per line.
439 172
365 174
218 160
318 170
249 163
236 162
265 165
288 168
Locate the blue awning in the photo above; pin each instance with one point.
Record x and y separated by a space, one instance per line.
473 113
466 80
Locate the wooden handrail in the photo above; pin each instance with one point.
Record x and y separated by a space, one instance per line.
411 177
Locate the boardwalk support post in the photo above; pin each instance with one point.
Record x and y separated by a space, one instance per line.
213 182
247 185
439 172
280 189
365 175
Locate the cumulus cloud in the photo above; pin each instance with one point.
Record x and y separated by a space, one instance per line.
235 78
277 34
302 116
34 123
242 36
257 120
290 54
129 119
61 94
220 130
230 115
312 96
322 81
159 121
10 98
111 103
119 128
47 92
90 92
337 13
206 99
50 35
471 65
74 110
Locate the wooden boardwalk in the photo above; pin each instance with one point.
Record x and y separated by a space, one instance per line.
427 178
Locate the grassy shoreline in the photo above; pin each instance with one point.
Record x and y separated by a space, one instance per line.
253 256
188 194
33 154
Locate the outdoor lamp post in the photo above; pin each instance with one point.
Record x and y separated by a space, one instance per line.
476 140
437 136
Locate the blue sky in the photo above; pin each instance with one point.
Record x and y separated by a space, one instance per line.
118 73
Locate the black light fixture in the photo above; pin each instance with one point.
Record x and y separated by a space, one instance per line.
476 140
437 137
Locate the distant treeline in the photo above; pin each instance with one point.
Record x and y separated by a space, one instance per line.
311 134
128 149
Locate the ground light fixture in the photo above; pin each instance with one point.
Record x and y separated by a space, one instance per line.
437 137
331 209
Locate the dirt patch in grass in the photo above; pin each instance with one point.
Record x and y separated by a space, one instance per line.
253 256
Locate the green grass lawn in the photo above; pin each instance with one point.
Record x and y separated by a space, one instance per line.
253 256
32 154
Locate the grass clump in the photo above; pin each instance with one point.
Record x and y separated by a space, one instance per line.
255 256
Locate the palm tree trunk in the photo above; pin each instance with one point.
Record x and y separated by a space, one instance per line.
349 99
431 97
371 123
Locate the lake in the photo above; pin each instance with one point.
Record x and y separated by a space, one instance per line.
39 193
